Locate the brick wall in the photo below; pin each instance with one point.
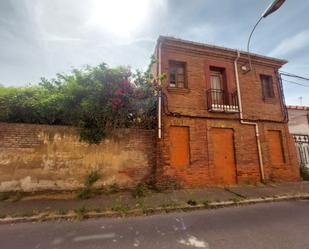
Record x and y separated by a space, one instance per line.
42 157
193 100
201 171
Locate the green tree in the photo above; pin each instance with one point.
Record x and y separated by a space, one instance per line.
94 99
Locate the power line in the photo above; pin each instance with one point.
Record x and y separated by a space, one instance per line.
293 75
295 83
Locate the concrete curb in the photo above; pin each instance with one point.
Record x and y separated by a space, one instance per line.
151 211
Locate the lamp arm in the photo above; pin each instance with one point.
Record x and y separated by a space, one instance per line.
248 44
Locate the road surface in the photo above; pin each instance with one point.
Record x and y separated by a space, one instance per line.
268 225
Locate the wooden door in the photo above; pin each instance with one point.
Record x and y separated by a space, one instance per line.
275 147
180 155
224 156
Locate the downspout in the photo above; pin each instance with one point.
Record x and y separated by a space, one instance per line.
257 134
159 93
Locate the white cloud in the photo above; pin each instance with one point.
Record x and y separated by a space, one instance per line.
292 44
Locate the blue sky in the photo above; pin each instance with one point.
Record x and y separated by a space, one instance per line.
44 37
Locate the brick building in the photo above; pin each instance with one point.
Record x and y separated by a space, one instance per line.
206 135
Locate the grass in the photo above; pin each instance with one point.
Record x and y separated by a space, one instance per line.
84 193
81 213
91 178
120 207
140 190
88 191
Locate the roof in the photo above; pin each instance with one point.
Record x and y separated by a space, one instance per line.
223 49
298 107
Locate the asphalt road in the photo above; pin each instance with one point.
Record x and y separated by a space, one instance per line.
272 225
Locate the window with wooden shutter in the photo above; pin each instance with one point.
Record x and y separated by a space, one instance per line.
267 87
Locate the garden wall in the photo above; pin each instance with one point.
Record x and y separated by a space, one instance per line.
43 157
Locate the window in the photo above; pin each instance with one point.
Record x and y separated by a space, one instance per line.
177 74
217 85
267 87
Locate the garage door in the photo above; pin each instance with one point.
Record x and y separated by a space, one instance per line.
224 157
179 137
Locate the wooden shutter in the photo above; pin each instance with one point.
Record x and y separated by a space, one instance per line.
180 151
275 147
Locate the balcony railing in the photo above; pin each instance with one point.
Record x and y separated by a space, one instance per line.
222 101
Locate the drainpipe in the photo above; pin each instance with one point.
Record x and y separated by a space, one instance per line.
257 134
160 93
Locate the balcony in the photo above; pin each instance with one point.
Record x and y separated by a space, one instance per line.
222 101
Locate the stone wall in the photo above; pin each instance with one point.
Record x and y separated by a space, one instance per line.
43 157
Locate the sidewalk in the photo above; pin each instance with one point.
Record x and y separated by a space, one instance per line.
66 205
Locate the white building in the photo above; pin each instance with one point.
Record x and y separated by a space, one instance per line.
299 128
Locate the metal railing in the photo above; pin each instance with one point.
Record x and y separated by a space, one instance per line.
302 147
221 101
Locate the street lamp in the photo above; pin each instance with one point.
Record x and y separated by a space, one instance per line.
271 9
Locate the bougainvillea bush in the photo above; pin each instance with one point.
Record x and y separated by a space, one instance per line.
94 99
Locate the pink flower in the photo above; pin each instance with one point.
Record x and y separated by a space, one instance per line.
118 91
126 82
116 102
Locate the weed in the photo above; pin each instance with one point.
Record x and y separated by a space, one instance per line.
304 172
88 191
120 207
17 196
25 214
148 211
141 205
192 202
2 216
206 203
62 212
81 213
84 193
4 196
92 178
236 199
169 205
98 210
140 190
114 188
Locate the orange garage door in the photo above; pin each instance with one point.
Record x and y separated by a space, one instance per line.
179 137
224 159
275 147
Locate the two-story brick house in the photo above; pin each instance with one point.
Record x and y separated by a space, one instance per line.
218 122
